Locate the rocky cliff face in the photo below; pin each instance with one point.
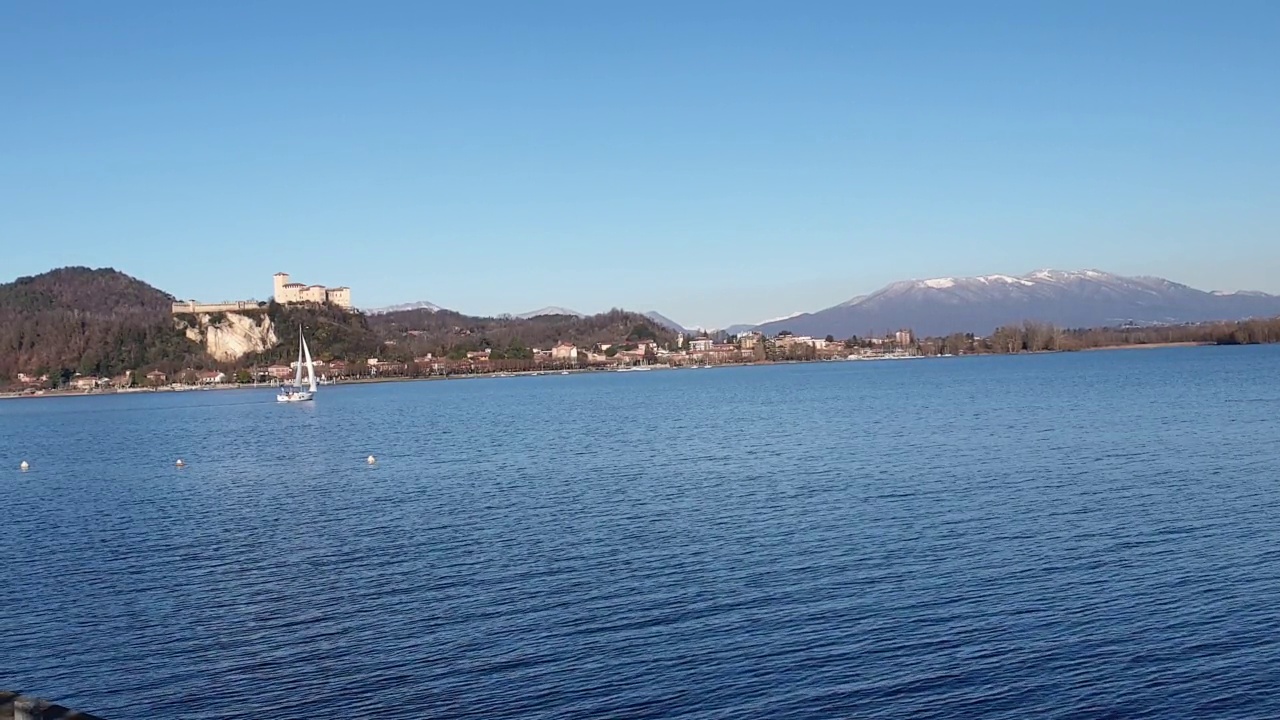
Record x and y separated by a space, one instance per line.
231 336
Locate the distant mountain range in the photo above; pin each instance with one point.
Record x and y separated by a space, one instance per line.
665 321
1072 299
940 306
550 310
420 305
739 329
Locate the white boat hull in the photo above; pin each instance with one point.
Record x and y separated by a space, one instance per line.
294 397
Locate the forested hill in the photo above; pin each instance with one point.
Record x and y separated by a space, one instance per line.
78 319
445 332
100 292
103 322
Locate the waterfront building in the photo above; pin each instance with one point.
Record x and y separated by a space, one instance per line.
565 351
280 372
84 382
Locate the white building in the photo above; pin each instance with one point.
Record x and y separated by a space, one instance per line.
564 351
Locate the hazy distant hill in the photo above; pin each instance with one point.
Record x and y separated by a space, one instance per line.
1074 299
77 319
665 321
552 310
445 331
419 305
745 327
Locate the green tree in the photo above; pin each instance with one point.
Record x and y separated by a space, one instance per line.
516 350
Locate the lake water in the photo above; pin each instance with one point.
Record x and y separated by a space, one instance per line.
1091 535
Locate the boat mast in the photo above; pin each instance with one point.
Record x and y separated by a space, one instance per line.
297 379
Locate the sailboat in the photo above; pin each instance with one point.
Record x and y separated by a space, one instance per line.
294 392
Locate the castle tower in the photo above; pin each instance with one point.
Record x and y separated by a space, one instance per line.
281 279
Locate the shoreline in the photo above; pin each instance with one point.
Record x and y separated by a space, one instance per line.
1149 346
231 386
575 371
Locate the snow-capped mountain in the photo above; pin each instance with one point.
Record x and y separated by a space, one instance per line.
1080 298
746 327
550 310
420 305
780 319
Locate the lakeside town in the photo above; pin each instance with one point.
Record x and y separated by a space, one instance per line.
245 343
629 355
236 338
622 356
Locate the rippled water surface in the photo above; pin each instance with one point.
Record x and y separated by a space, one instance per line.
1088 535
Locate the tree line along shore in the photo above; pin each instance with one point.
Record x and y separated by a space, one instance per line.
745 349
87 329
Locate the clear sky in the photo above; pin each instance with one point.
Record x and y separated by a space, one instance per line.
718 162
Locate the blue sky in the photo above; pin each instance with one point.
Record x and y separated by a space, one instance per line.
718 162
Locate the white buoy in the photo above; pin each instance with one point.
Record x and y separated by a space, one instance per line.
180 463
371 460
24 466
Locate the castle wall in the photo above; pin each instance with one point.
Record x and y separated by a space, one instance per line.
196 308
285 292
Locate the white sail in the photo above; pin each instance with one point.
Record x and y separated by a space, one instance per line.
302 343
311 368
294 392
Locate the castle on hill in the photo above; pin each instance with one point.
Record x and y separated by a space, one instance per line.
293 292
285 292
